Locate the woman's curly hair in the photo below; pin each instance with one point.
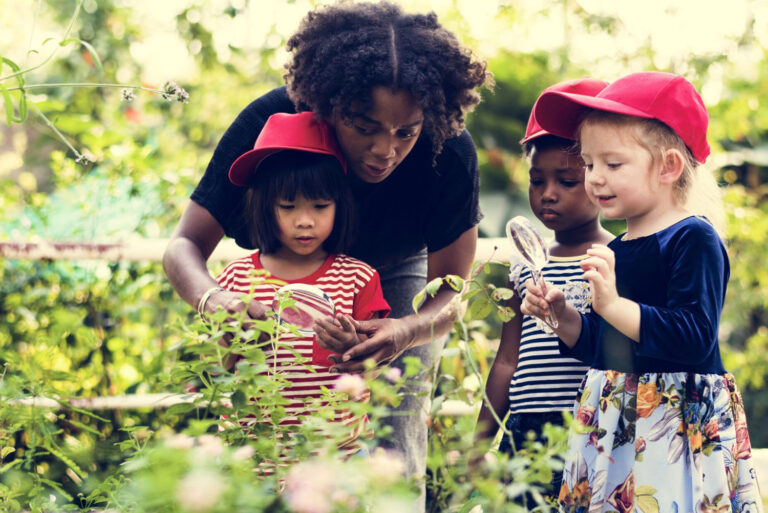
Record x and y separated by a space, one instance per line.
341 52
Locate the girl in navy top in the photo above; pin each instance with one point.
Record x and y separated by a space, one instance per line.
660 425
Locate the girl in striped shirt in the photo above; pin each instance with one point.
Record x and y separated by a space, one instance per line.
300 210
529 379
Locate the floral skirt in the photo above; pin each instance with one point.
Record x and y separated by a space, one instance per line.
659 443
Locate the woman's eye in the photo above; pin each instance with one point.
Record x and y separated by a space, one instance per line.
407 134
365 130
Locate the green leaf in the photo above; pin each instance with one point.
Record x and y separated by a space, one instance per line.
502 294
66 460
8 105
88 46
647 503
238 400
455 282
480 308
417 300
181 408
433 286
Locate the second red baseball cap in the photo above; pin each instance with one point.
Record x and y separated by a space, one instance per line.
667 97
585 86
284 131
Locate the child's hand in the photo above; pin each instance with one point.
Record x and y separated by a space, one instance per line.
600 271
540 300
338 334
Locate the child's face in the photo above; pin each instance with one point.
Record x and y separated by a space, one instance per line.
618 172
304 224
556 189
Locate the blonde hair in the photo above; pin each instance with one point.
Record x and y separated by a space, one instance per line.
696 189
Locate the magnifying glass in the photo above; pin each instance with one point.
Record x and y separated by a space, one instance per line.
302 304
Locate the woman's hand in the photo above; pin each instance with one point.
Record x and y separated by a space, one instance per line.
232 303
381 340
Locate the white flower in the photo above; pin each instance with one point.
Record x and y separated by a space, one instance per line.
352 385
200 490
127 95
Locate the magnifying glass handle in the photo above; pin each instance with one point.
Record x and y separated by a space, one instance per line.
550 319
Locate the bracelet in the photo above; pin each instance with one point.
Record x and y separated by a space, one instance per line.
204 299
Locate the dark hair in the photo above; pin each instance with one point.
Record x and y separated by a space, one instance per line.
549 141
341 52
283 176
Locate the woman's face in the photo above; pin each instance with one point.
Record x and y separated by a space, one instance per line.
374 143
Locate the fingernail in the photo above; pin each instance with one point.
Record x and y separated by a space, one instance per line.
345 358
333 370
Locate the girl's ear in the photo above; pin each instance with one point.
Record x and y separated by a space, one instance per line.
672 165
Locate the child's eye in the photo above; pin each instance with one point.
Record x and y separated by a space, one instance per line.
613 165
535 182
588 167
285 206
321 206
571 183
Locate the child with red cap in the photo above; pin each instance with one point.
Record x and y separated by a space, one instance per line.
299 202
529 379
660 424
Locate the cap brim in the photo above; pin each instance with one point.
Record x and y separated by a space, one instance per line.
242 168
534 135
561 113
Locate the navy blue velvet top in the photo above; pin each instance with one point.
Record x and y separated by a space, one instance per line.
678 276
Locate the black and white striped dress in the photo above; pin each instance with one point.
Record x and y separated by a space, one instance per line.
544 380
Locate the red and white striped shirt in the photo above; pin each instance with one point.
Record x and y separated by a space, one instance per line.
355 289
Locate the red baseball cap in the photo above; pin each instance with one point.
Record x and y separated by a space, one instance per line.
284 131
666 97
585 86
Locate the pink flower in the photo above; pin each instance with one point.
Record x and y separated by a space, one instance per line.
585 415
352 385
451 457
243 453
630 383
393 374
623 497
308 487
200 490
386 466
742 449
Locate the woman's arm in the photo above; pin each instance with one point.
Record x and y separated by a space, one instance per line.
184 262
390 337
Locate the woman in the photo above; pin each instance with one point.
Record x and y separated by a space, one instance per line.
395 88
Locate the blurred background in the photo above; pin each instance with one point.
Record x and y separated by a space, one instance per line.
89 328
